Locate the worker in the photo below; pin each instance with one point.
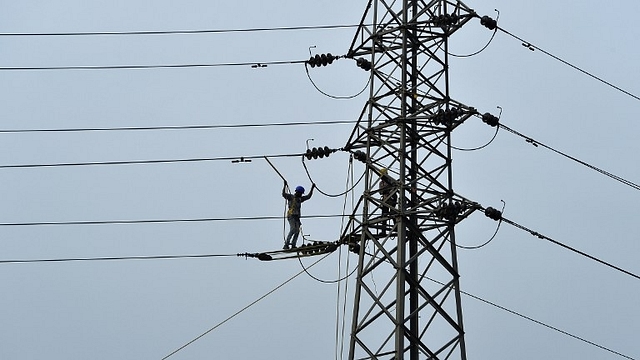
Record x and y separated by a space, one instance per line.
389 197
294 203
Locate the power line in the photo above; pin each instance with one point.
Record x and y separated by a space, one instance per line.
117 258
162 221
243 309
200 256
180 127
536 321
512 312
533 47
137 162
336 97
165 257
158 66
543 237
603 172
181 32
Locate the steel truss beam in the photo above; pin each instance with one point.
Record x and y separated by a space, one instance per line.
407 300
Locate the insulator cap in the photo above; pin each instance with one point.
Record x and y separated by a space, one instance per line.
360 156
264 257
364 64
321 60
493 214
319 152
449 211
488 22
445 20
490 120
446 117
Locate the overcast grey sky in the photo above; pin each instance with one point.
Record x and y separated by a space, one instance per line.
145 309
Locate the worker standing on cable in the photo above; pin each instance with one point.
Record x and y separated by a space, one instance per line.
294 203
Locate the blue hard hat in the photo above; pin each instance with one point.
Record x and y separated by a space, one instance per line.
300 189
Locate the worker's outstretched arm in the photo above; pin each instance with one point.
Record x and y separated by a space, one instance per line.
284 189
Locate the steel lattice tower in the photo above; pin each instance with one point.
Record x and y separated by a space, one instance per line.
407 296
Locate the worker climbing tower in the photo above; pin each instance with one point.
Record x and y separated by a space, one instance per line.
407 296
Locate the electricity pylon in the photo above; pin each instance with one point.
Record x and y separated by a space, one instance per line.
407 296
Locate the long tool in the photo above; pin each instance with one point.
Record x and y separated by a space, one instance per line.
276 170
